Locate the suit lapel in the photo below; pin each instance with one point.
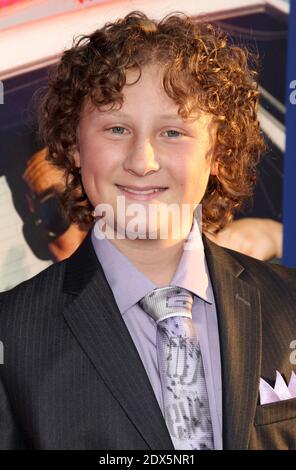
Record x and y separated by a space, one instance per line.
239 319
97 324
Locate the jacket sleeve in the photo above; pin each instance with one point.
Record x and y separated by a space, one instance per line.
10 436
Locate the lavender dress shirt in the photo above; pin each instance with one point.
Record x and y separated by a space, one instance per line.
129 285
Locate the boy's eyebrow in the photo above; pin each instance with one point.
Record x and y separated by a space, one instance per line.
175 117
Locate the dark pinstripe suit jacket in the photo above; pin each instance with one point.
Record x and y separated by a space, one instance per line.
72 377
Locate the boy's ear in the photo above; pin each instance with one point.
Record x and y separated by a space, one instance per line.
76 154
214 168
76 157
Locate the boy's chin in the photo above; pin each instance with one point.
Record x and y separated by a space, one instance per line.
144 229
161 232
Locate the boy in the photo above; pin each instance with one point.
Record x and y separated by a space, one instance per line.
139 340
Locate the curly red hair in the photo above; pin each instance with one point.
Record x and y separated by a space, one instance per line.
202 69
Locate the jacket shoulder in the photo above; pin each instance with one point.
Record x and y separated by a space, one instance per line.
44 285
257 270
271 278
274 270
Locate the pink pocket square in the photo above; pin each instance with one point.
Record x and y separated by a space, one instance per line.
279 392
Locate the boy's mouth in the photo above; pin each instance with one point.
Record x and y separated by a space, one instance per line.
142 193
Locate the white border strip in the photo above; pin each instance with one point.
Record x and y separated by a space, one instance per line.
273 128
280 5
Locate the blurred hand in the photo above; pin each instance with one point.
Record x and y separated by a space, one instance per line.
259 238
41 175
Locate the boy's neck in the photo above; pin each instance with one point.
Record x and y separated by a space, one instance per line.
158 260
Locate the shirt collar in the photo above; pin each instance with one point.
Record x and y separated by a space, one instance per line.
129 285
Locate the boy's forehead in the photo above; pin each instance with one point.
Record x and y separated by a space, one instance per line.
144 96
171 115
140 85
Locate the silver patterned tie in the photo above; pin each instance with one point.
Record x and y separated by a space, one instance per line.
186 406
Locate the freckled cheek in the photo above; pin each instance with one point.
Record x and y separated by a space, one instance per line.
98 161
183 166
191 177
97 172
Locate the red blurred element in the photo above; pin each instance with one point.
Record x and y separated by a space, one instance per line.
6 3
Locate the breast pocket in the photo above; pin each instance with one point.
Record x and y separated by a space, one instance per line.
274 426
275 412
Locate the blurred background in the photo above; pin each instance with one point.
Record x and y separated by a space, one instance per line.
34 232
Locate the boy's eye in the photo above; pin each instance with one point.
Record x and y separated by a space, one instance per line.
174 133
120 131
117 130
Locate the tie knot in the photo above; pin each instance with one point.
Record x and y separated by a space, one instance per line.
165 302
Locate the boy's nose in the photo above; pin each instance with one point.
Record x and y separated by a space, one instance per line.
142 159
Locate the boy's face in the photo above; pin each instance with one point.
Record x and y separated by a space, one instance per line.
145 144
